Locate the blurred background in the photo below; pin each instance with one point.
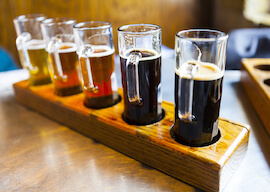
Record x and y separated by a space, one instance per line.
171 15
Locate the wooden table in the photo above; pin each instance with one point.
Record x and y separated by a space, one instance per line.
38 154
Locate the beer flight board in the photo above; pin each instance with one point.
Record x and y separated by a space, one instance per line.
255 78
208 168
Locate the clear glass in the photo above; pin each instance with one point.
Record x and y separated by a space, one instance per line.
140 56
200 56
31 47
96 57
63 60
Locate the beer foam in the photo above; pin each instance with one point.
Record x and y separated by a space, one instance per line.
35 44
71 47
206 71
107 51
155 53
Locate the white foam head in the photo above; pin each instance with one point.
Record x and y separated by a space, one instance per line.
35 44
155 53
206 71
104 51
71 47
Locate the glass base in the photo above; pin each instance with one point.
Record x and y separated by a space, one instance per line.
183 141
102 102
144 121
68 91
35 82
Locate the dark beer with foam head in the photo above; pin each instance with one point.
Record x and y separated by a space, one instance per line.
207 93
140 56
200 56
149 109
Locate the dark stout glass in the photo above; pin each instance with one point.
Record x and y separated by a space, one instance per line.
207 90
69 63
102 69
149 110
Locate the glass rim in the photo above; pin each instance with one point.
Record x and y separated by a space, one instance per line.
87 25
58 21
122 28
223 36
28 17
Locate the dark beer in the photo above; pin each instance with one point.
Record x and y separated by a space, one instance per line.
207 90
102 68
39 74
69 84
149 71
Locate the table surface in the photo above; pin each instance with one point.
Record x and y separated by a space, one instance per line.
38 154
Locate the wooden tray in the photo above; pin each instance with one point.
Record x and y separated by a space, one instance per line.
255 78
208 168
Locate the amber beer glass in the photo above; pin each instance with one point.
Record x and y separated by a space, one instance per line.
200 63
96 56
63 60
140 56
31 47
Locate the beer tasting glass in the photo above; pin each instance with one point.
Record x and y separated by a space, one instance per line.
140 57
31 47
199 70
96 57
63 60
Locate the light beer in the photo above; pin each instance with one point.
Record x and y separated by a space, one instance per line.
38 73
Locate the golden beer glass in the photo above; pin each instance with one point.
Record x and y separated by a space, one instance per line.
31 47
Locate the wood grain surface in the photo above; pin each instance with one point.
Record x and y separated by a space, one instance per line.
208 168
255 78
37 154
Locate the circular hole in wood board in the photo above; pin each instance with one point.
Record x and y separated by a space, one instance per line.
263 67
267 82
